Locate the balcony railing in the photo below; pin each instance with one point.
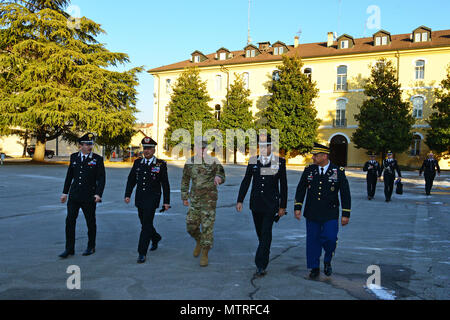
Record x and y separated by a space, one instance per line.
340 87
339 123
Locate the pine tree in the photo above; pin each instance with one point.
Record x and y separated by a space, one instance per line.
237 114
438 137
54 79
385 121
291 108
188 104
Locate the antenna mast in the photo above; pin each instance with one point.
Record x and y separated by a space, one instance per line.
249 39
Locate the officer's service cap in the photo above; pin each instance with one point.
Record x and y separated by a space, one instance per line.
389 153
148 142
319 148
88 139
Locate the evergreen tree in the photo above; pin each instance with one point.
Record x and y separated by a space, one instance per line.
438 137
385 121
54 79
237 114
291 108
188 104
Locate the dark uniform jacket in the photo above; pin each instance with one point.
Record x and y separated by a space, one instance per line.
85 179
269 187
148 179
430 166
375 171
390 167
322 202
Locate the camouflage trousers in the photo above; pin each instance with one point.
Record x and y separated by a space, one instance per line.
200 221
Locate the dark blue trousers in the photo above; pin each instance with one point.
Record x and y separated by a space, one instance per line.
318 236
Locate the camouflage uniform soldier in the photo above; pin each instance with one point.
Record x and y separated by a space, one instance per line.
203 196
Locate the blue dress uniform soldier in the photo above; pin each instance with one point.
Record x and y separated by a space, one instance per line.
268 197
389 167
322 181
86 181
149 175
429 167
373 169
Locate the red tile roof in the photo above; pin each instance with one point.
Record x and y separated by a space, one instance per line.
439 38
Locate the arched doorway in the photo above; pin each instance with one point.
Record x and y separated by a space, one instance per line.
339 150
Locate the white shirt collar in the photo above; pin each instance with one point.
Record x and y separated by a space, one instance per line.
80 154
266 159
325 168
152 159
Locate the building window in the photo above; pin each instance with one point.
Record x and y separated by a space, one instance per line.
344 44
218 83
223 56
378 41
246 78
217 112
384 40
420 70
250 53
341 106
168 86
308 72
341 84
166 144
417 39
424 36
415 145
418 103
275 51
196 59
276 75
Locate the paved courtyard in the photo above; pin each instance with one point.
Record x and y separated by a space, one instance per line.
407 238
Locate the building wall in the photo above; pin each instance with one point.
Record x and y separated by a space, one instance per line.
324 72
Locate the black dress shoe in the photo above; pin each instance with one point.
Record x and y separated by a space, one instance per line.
260 272
141 259
66 254
89 251
328 270
370 198
154 245
314 273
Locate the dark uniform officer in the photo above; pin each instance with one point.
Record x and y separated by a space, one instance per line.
429 167
86 181
148 174
322 182
268 197
373 169
389 167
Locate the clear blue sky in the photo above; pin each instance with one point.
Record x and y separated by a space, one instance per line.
155 33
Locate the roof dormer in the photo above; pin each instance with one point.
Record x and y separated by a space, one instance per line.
198 57
382 38
251 51
345 42
264 46
223 54
279 48
421 34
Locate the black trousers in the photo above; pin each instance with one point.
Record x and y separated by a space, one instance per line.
263 225
371 185
148 231
388 185
429 179
73 208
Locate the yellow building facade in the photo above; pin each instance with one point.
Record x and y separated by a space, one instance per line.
339 67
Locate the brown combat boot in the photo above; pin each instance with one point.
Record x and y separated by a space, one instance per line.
197 249
204 258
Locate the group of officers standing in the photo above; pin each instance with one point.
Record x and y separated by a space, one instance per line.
324 183
388 170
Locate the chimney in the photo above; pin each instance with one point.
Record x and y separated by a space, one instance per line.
264 46
330 39
296 39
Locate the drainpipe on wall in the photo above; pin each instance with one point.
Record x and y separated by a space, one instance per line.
225 70
397 55
157 112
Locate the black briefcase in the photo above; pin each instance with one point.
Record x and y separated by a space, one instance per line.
399 188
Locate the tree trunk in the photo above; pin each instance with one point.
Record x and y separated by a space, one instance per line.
25 144
39 153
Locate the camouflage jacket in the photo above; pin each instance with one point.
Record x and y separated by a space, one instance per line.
202 176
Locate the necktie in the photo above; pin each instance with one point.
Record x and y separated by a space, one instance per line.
148 161
322 171
82 158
